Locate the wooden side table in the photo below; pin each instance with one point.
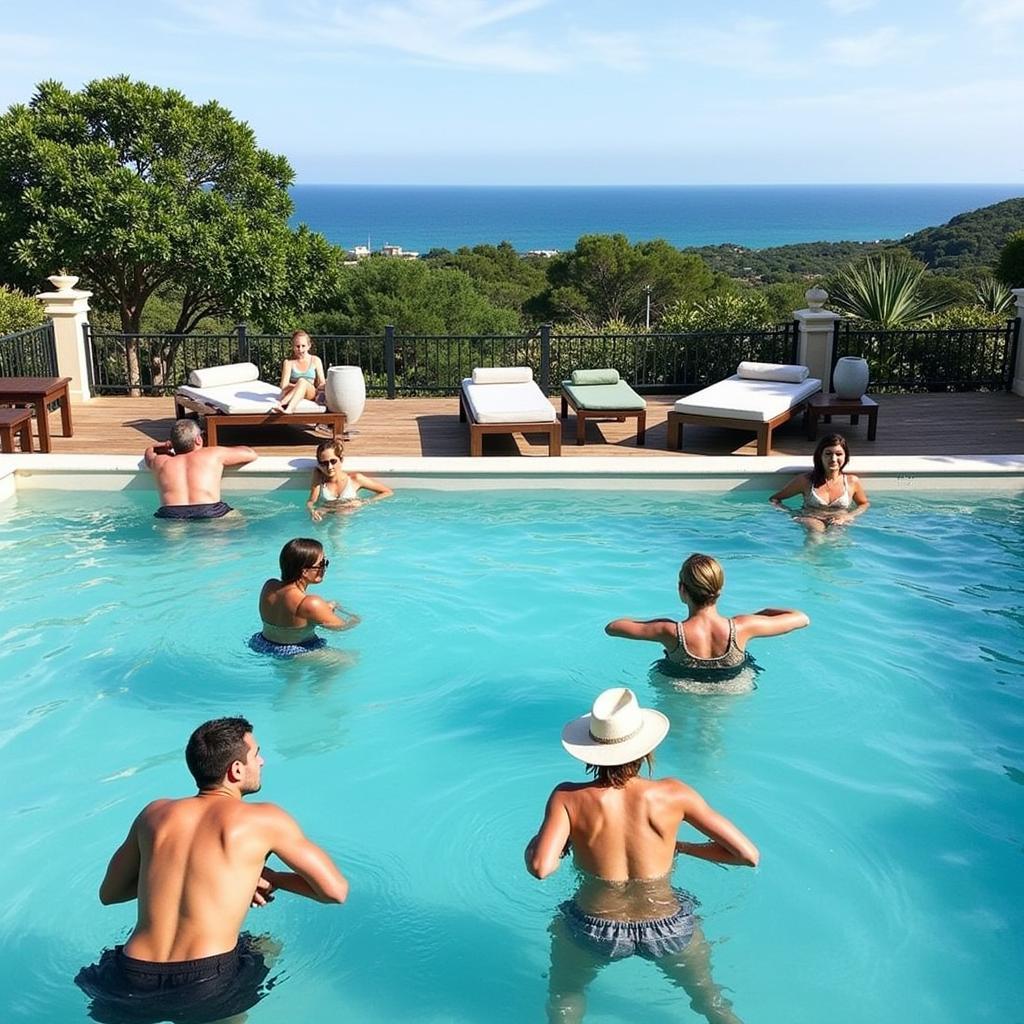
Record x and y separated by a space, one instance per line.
15 421
39 392
826 406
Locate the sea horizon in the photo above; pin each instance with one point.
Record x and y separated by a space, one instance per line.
532 217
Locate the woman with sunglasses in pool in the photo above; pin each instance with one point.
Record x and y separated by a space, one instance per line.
832 497
334 490
290 615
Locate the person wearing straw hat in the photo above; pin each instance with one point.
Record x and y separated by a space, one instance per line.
621 829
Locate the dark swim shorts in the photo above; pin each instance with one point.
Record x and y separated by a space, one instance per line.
261 645
128 991
664 936
212 510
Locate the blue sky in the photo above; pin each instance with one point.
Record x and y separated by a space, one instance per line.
570 91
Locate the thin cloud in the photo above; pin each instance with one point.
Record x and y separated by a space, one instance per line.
849 6
751 45
470 34
994 13
884 45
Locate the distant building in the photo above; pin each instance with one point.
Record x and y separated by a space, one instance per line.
359 252
398 253
546 253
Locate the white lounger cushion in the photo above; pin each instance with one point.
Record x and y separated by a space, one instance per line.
756 400
254 396
788 372
521 402
502 375
218 376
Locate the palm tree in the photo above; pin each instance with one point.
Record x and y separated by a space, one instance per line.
883 290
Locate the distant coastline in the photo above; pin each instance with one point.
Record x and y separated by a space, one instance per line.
424 217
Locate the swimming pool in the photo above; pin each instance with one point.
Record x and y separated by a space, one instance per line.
877 765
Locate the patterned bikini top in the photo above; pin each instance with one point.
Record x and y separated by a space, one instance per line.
840 502
733 656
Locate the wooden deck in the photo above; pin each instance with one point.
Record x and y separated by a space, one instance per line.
967 424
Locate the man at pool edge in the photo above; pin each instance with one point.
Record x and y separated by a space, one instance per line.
621 829
188 474
196 865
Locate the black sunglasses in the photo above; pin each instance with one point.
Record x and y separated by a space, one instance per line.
321 566
328 462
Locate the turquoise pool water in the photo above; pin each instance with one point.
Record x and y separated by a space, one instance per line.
878 764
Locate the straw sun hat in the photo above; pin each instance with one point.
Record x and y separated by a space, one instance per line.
616 731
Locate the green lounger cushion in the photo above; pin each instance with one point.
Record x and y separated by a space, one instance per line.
612 397
595 377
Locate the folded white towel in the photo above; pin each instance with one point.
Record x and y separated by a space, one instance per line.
502 375
786 373
218 376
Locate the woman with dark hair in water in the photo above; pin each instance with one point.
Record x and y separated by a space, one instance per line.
832 497
290 615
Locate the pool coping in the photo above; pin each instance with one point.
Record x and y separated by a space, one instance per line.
737 472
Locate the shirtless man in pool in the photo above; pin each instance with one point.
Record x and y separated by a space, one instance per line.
188 474
196 865
621 829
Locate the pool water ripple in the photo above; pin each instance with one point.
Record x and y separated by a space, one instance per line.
878 762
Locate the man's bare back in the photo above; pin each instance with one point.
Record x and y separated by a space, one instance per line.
196 865
195 891
186 471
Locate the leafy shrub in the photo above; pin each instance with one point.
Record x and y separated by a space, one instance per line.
18 311
719 313
956 318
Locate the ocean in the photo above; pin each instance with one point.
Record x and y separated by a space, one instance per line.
422 218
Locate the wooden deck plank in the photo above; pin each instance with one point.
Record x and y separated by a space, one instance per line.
939 424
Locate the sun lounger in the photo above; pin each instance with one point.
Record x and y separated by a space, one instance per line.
759 397
602 395
505 400
234 395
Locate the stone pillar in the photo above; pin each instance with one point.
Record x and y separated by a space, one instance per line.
69 309
814 344
1018 367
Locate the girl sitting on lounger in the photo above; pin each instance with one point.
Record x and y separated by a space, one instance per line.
334 490
706 639
302 376
832 497
290 616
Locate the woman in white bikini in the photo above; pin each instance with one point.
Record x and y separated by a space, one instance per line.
302 376
334 490
832 497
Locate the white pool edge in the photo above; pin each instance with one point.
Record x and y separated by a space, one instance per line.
881 473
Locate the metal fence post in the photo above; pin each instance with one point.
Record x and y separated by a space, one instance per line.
389 358
545 358
1014 349
243 343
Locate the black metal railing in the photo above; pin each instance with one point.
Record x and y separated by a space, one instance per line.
29 353
412 364
923 359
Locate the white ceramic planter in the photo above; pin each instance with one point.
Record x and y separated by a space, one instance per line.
850 378
345 391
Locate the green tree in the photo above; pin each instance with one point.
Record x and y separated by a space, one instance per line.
498 272
1010 269
411 295
883 290
138 190
606 278
18 311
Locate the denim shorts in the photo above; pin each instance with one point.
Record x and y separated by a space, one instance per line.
614 940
